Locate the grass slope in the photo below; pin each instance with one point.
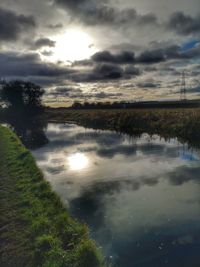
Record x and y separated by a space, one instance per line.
36 229
169 123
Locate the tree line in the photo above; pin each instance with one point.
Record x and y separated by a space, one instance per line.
21 97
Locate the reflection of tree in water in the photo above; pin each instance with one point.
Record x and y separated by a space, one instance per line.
31 130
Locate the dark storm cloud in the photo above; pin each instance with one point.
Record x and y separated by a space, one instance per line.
105 72
100 72
65 91
102 95
184 24
24 65
147 85
125 57
44 42
132 71
165 54
117 67
94 12
111 72
30 65
13 25
151 57
146 57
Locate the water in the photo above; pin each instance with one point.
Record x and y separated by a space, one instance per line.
139 196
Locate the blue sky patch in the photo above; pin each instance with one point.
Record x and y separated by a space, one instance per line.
189 45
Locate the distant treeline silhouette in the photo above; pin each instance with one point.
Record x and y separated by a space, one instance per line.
141 104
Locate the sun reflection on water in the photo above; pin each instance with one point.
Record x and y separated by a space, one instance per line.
78 161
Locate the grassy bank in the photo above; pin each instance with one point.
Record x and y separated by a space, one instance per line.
36 229
169 123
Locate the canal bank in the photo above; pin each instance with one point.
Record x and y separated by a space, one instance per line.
182 123
36 230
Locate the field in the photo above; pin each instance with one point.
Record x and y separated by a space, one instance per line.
36 230
168 123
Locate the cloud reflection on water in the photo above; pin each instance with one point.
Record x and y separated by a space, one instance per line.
140 196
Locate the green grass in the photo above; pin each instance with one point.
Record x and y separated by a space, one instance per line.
169 123
36 230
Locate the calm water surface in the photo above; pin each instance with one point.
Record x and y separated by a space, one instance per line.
139 196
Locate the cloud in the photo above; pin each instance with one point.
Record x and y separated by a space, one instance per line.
55 26
192 53
92 12
132 71
194 90
47 53
28 65
84 62
12 25
184 175
105 72
135 42
43 42
113 151
147 84
151 57
99 73
147 57
102 95
168 53
184 24
125 46
63 91
125 57
102 67
74 92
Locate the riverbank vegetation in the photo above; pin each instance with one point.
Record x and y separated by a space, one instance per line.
168 123
36 229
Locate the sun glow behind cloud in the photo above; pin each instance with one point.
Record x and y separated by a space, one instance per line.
73 45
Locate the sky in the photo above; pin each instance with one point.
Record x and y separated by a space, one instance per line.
109 50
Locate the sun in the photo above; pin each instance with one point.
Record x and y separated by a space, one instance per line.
77 161
73 45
